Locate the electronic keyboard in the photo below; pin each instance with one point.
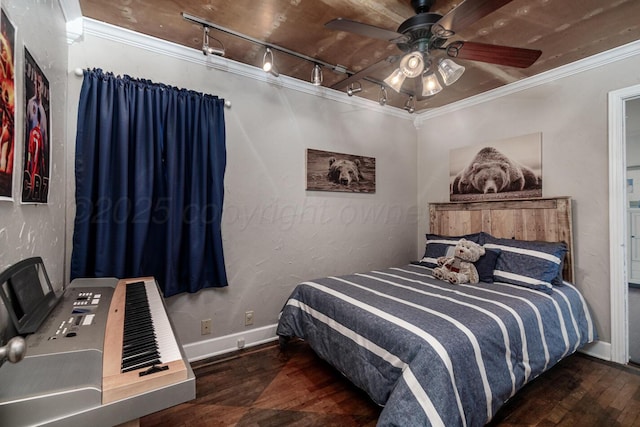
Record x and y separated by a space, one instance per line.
107 354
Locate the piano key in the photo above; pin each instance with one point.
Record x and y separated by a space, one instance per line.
141 342
142 365
134 336
137 332
169 349
139 349
140 357
138 336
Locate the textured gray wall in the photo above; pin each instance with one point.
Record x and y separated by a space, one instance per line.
275 233
39 230
571 113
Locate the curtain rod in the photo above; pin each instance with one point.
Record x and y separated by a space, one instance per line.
79 72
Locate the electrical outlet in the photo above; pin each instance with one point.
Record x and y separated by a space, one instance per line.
248 318
205 327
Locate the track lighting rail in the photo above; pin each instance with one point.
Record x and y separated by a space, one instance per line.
200 21
340 69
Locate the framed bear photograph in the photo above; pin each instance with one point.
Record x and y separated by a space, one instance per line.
504 169
330 171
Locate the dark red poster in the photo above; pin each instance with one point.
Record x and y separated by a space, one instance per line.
35 175
7 106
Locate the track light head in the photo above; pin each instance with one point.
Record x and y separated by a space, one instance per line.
410 105
382 99
316 75
213 51
352 89
267 63
208 50
267 60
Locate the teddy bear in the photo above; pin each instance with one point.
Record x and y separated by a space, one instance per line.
459 268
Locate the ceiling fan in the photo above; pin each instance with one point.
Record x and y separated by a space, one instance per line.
425 34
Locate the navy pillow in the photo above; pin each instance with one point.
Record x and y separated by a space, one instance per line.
438 246
486 264
532 264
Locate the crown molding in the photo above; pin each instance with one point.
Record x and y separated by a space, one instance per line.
73 18
70 9
598 60
183 53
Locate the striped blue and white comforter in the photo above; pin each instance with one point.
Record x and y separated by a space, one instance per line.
434 353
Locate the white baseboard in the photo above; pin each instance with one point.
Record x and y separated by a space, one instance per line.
228 343
599 349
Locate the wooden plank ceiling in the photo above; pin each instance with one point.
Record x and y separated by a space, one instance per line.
564 30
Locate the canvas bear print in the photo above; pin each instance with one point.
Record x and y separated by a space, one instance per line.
509 169
329 171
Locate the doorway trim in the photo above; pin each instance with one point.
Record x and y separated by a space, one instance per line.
618 224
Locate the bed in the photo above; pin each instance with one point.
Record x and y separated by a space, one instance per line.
438 354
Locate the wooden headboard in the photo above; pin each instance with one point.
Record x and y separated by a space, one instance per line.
546 220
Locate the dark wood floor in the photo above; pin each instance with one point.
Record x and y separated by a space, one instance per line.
264 387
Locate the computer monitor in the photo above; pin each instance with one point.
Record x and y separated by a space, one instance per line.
27 294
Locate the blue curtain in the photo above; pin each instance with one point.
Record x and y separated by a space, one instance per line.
150 163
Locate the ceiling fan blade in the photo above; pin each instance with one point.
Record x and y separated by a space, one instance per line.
341 24
468 12
364 72
493 54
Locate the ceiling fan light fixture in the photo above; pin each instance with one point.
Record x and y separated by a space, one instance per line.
450 71
316 75
430 84
395 79
412 64
267 63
